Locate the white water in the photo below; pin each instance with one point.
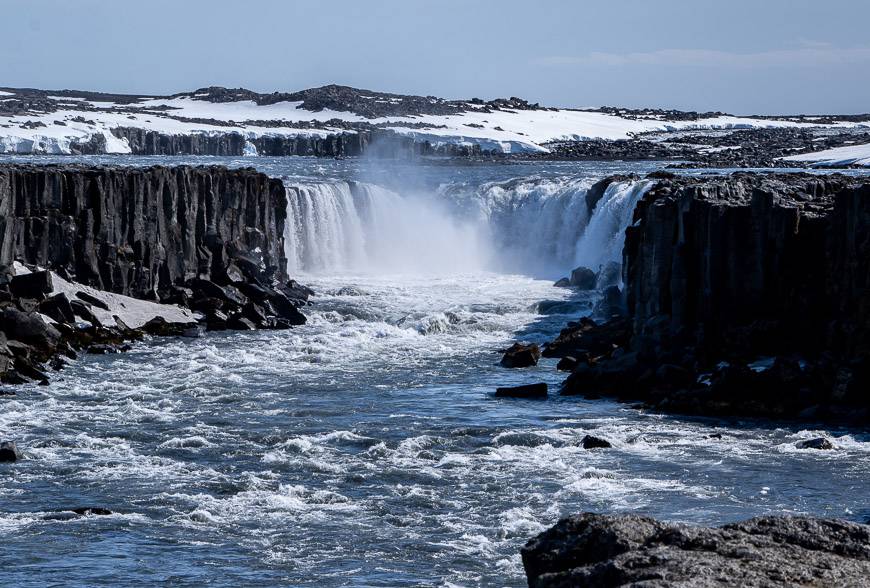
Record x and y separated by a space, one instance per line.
534 226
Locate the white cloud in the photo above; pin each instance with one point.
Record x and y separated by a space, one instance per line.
810 54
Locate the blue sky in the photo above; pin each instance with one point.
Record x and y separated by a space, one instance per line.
759 56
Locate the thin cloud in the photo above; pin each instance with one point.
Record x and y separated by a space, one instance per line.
810 54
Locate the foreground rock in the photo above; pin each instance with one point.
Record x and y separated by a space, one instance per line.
745 295
535 391
603 551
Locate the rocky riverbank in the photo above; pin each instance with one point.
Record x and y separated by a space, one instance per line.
622 550
91 257
743 295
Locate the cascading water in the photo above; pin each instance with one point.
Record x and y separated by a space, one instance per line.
359 227
537 226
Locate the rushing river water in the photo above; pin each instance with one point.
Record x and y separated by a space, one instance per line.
365 448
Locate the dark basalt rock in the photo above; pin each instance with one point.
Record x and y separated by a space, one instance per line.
592 442
92 300
83 311
75 513
722 271
583 278
520 355
528 391
58 307
9 452
184 223
586 337
603 551
817 443
34 285
91 510
568 363
29 329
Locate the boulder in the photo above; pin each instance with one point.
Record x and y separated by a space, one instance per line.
527 391
817 443
520 355
83 310
58 308
567 364
592 442
35 285
563 283
583 278
161 327
238 322
30 329
9 452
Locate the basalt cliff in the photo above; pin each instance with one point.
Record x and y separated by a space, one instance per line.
79 246
746 294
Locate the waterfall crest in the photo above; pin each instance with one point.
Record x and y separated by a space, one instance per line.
537 226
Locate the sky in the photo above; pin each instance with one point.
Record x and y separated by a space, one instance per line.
737 56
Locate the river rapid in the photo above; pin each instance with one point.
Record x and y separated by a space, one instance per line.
366 448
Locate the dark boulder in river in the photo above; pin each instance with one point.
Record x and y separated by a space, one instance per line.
520 355
526 391
817 443
591 550
592 442
9 452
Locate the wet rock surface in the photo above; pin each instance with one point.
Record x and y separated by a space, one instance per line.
526 391
520 355
630 550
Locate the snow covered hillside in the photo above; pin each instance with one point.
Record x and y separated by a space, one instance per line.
63 122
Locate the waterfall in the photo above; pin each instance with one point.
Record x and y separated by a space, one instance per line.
538 226
359 227
604 236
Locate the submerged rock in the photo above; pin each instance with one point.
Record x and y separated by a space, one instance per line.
620 550
9 451
592 442
520 355
526 391
817 443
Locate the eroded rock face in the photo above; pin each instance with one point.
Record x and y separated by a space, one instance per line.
750 262
720 273
139 232
621 550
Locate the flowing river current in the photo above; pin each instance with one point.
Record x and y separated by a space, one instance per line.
366 448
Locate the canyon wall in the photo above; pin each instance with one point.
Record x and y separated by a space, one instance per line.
141 231
376 142
749 263
746 294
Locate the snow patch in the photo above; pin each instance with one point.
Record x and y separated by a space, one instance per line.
837 157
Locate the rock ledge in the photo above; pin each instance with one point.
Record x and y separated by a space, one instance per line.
619 550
